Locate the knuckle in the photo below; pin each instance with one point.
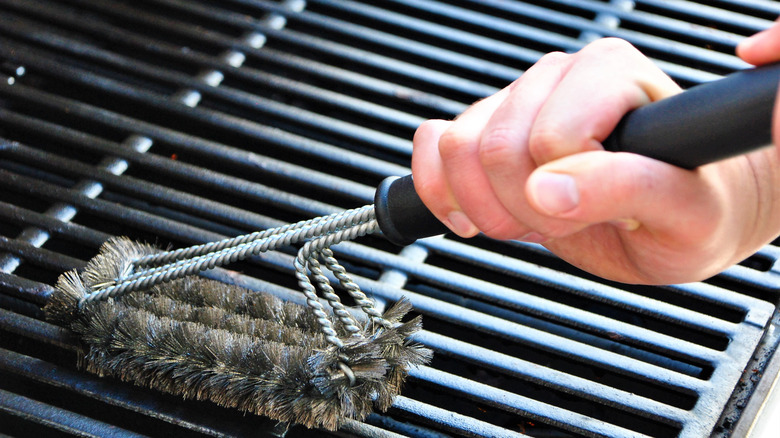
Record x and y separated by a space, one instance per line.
552 59
558 229
549 62
544 141
611 45
426 129
453 143
557 232
497 148
502 228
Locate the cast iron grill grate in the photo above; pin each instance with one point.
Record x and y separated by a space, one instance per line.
178 122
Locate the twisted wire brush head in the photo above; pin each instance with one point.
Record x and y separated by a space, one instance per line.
207 340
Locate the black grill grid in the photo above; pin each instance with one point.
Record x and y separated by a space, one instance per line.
179 122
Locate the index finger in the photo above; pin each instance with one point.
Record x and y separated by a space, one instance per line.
607 79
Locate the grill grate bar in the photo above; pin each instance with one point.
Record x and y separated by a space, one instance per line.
518 300
138 42
602 293
195 116
589 30
213 151
719 62
550 378
474 42
473 17
394 277
608 18
467 90
367 84
46 259
710 295
28 290
630 14
117 166
10 213
36 330
766 281
613 343
519 405
703 11
148 404
756 312
58 419
343 53
65 212
107 210
312 120
364 429
451 421
355 32
181 170
531 337
144 191
750 309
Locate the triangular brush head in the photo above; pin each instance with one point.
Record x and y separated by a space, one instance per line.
207 340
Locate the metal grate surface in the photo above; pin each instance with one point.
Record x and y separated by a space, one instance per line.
178 122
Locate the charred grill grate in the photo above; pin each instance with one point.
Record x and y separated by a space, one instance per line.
178 122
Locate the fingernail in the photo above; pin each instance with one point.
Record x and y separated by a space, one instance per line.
626 224
533 237
461 224
555 193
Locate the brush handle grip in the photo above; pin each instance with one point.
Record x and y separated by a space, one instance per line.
707 123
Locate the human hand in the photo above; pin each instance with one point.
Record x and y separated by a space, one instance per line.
527 163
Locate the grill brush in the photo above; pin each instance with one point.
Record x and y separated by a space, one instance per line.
144 316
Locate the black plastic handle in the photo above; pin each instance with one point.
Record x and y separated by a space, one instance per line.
707 123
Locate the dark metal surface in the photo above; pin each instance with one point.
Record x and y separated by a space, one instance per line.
179 122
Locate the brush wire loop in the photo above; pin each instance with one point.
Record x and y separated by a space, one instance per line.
347 372
324 232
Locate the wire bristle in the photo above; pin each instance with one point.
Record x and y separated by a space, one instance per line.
206 340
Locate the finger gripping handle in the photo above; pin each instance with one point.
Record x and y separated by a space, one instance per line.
402 216
707 123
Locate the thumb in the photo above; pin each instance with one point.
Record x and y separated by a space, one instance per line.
625 189
763 47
